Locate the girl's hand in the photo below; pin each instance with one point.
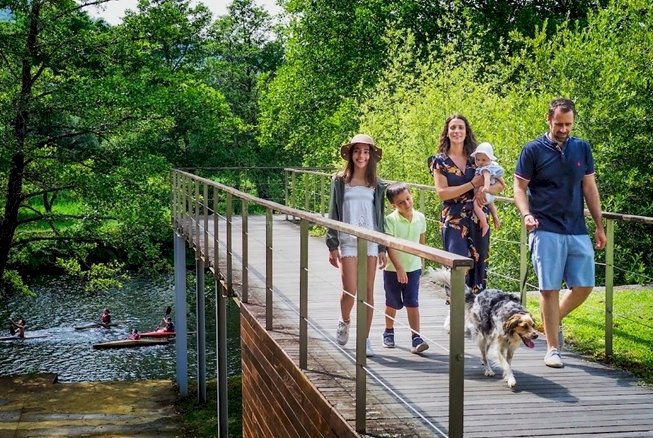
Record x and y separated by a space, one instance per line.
334 258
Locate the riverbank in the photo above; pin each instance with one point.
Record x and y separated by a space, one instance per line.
36 405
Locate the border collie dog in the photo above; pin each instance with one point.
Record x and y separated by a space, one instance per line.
497 321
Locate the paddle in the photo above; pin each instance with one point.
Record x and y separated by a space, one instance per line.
11 328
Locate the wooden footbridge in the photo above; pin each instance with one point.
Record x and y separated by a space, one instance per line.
298 382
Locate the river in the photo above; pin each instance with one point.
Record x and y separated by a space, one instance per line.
61 304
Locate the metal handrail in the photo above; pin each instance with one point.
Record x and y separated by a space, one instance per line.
188 215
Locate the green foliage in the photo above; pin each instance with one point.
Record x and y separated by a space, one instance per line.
584 329
107 111
98 276
12 282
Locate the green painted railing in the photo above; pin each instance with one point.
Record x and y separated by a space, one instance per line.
196 201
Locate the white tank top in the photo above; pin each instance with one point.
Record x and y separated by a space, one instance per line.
357 209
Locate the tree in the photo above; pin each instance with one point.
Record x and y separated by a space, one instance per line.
337 49
91 117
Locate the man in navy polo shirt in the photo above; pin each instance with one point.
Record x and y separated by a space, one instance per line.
553 179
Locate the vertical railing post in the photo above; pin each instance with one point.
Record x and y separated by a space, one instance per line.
230 245
322 195
196 216
205 215
221 353
609 286
188 199
422 200
303 294
523 262
181 343
307 192
245 251
457 353
285 189
293 190
200 310
175 196
216 233
361 336
268 270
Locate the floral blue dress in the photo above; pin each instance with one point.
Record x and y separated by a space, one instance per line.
460 231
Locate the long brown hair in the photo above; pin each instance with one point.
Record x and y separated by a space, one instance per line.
469 145
370 171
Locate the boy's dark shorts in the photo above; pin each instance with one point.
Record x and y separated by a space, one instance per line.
398 295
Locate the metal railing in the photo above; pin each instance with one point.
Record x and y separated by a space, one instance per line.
196 202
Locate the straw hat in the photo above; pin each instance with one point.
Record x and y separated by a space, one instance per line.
363 139
485 148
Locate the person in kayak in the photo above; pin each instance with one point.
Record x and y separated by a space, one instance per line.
134 335
18 328
105 317
168 325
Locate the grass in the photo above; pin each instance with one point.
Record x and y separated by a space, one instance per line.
200 420
584 329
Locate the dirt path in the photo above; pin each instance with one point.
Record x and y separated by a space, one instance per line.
36 406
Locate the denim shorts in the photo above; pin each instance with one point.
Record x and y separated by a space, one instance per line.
557 257
349 249
398 295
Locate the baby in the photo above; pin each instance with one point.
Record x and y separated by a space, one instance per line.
487 166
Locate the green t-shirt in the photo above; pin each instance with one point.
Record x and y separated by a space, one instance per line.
398 226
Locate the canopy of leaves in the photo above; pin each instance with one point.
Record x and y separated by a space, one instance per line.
91 119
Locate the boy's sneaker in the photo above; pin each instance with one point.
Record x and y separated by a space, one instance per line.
368 348
342 334
388 339
419 345
553 359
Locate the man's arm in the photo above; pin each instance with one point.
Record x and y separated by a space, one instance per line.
519 188
593 201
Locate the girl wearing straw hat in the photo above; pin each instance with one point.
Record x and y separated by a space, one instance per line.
357 198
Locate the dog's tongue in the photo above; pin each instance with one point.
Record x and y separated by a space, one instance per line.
528 342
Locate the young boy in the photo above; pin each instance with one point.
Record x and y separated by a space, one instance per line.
402 273
487 166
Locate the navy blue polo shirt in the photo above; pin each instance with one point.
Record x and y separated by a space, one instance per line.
555 184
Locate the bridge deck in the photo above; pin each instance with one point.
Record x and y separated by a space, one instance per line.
583 398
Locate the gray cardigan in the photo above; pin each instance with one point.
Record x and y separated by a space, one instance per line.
335 209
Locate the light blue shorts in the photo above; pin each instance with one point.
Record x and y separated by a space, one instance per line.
557 257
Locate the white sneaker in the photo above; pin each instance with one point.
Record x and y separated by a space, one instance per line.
342 334
368 348
553 359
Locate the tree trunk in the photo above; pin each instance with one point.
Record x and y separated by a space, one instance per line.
14 193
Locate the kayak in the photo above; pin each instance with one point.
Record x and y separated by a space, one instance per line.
129 343
91 325
158 334
16 338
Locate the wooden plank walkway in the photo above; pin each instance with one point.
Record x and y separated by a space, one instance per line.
408 393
